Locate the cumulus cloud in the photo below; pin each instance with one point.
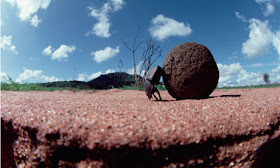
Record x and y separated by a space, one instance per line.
62 53
47 50
227 73
102 27
4 77
28 9
138 69
6 44
260 37
117 4
163 27
35 21
34 76
249 78
269 9
110 71
275 75
82 76
276 42
235 75
241 17
267 6
94 75
106 54
85 77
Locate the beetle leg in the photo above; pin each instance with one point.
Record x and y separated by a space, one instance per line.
155 97
158 94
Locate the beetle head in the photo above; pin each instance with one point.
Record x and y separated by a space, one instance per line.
148 88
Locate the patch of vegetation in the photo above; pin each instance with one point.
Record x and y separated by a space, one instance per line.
110 81
10 85
252 86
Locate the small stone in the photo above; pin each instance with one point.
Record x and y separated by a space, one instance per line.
190 71
231 164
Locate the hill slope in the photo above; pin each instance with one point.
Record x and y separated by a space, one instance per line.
111 80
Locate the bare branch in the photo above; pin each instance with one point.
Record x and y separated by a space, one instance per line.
149 55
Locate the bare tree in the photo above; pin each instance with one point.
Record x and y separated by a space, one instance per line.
150 54
266 78
133 50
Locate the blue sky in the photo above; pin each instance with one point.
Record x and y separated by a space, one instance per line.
50 40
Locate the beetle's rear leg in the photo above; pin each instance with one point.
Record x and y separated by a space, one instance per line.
156 90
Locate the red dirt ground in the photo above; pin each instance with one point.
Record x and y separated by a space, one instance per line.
122 128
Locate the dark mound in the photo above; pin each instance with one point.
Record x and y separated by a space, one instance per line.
112 80
108 81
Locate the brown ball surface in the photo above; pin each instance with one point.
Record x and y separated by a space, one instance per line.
190 71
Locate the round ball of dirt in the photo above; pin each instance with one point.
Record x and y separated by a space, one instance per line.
190 71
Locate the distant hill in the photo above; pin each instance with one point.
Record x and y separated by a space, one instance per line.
111 80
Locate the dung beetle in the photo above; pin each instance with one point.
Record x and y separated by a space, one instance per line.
151 80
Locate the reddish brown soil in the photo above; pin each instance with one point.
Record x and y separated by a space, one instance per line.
118 128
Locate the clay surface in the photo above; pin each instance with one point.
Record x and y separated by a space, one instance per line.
122 128
190 71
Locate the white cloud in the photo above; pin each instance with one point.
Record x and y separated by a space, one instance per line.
85 77
28 9
274 76
276 70
34 76
229 70
82 77
102 27
260 38
268 6
47 50
62 53
35 21
131 70
109 71
269 9
276 42
94 75
246 78
103 55
241 17
49 79
4 77
227 73
117 4
163 27
235 75
6 44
